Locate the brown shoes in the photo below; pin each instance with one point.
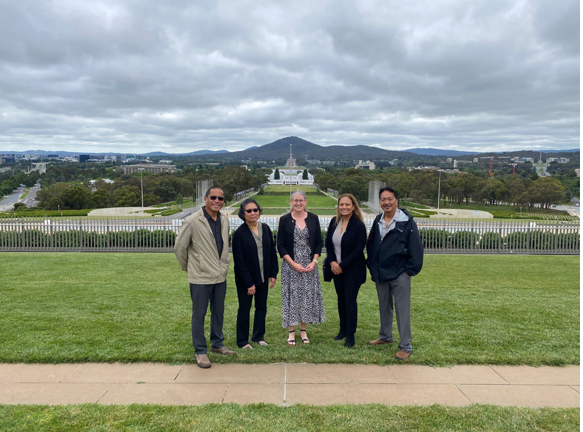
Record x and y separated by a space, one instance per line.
402 355
202 361
380 342
223 350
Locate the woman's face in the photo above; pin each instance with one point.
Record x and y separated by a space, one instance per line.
345 206
251 213
298 202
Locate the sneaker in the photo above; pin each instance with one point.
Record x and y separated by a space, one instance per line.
380 342
402 355
223 350
202 361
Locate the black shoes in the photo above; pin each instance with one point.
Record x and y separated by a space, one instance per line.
341 335
350 342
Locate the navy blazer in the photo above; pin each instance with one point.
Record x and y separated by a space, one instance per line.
247 271
285 235
352 248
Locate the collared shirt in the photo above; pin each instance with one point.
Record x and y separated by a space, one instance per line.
384 228
215 229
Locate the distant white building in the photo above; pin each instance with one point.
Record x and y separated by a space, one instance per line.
365 165
292 176
559 160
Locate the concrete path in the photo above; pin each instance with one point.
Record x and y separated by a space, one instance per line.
286 384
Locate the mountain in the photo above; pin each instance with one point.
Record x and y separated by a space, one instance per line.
440 152
204 152
301 149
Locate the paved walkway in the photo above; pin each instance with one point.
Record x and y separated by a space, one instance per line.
286 384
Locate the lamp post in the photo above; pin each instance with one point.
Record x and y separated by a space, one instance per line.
142 186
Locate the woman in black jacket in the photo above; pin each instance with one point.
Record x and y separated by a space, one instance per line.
256 271
345 244
299 242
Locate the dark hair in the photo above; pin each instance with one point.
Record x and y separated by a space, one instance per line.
245 204
388 189
211 188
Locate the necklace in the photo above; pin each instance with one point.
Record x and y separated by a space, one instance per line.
252 227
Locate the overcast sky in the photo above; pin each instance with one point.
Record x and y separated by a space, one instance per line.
179 76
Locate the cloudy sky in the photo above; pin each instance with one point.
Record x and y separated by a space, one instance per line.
179 76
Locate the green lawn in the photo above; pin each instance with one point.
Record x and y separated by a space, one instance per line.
286 189
283 201
260 417
106 307
505 211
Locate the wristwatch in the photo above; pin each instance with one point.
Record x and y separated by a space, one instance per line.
315 260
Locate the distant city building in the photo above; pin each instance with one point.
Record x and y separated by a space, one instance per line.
84 158
105 180
559 160
330 163
449 160
165 161
365 165
476 160
151 168
577 172
518 159
424 168
53 156
455 163
8 158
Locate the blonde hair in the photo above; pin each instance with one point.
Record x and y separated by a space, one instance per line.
356 211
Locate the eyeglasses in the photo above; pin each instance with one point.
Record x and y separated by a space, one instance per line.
216 198
253 210
298 201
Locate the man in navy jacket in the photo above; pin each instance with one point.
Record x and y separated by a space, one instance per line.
395 254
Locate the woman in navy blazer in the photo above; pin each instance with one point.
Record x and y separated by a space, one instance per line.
253 276
347 237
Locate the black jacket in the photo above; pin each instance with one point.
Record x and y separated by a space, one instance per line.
352 248
285 235
400 251
247 271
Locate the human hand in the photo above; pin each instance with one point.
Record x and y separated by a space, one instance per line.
299 268
272 282
335 267
251 291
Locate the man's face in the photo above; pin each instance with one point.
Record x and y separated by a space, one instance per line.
388 202
215 200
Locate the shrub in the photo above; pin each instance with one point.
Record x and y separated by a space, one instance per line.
463 240
434 238
490 240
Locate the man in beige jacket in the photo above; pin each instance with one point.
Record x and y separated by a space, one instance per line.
202 249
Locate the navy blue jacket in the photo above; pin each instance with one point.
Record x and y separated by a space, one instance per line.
352 248
400 251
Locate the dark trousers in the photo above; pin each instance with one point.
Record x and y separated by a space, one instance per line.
201 295
347 289
245 301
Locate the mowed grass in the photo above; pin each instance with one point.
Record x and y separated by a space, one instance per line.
283 201
286 189
262 417
107 307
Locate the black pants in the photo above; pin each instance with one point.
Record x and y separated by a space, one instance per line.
245 301
201 295
347 288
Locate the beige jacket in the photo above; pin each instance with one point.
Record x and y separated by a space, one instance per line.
196 250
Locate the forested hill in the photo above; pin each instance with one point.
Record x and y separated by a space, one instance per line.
301 148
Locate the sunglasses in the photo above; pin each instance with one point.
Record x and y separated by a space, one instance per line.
215 198
253 210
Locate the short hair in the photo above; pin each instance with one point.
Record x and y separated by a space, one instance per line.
388 189
245 204
213 187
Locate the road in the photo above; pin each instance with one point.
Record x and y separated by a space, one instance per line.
30 199
12 199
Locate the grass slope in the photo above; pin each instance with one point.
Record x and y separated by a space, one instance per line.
106 307
283 201
231 417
